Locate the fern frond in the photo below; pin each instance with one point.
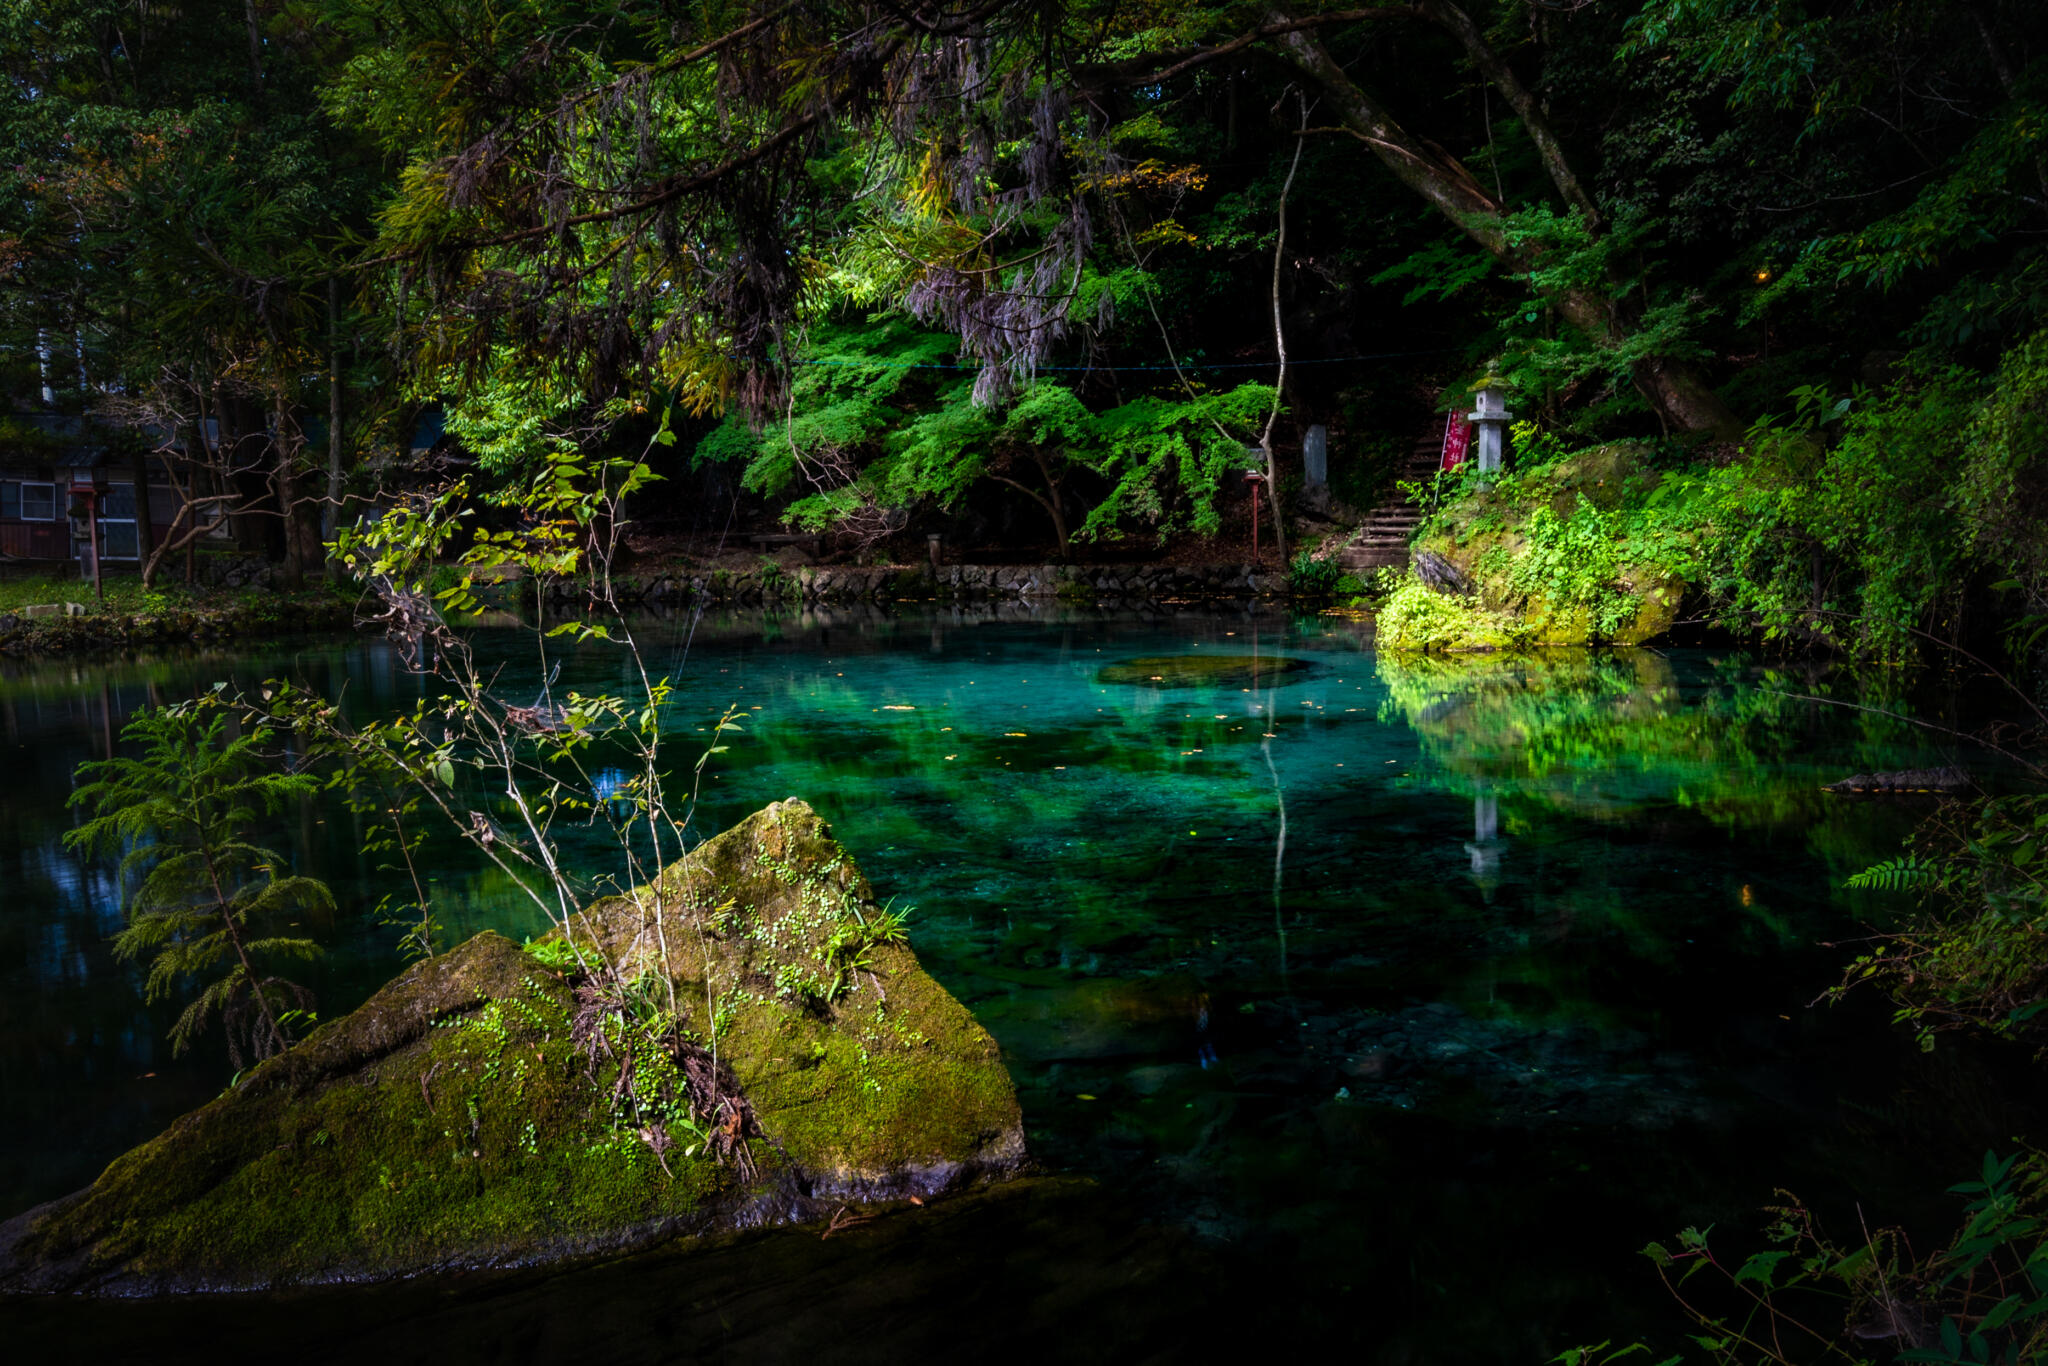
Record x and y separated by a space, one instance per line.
1907 873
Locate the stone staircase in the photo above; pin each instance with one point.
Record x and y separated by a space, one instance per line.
1382 539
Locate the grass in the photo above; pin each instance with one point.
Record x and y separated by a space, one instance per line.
124 595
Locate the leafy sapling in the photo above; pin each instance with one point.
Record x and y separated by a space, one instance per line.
200 897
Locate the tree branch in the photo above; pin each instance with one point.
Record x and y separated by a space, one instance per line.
1145 71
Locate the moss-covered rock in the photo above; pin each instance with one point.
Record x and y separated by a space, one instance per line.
467 1114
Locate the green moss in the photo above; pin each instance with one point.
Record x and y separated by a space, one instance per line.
448 1119
1560 555
1414 617
451 1120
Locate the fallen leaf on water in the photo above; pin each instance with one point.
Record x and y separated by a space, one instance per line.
1084 1096
897 707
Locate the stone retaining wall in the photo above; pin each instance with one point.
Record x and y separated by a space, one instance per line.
268 616
1069 582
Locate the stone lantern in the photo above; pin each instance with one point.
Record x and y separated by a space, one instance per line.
1490 422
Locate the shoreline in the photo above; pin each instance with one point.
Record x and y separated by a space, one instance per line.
203 620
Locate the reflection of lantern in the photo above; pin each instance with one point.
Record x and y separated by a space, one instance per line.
1486 844
1490 422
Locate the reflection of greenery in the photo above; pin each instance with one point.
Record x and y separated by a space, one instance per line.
1551 727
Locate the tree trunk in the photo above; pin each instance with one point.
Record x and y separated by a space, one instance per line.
284 481
242 447
1280 342
1681 398
330 511
255 41
1052 503
145 527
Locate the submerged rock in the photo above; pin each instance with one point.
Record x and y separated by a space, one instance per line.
1903 781
1197 671
484 1108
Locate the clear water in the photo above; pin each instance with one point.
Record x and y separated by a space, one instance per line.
1379 1005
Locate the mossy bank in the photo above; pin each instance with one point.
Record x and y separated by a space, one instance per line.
484 1108
1567 553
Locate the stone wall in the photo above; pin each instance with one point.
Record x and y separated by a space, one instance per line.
266 616
1076 583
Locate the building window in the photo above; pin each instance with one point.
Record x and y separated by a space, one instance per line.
10 500
118 539
38 502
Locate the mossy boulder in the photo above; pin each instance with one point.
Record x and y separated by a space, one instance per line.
476 1111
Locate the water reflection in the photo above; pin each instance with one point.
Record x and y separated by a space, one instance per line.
1486 845
1254 946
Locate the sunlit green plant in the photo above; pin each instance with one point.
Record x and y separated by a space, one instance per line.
204 896
1982 1300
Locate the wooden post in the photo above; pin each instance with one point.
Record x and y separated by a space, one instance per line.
1254 478
92 540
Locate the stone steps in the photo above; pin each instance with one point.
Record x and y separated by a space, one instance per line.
1381 540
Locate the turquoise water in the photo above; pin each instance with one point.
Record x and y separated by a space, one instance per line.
1393 1004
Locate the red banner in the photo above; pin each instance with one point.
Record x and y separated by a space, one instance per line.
1457 438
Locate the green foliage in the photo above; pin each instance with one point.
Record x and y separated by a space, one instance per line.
1580 562
1314 580
1975 955
880 423
509 415
1800 78
1863 523
553 952
1908 872
1413 616
1617 265
1983 1298
203 899
849 949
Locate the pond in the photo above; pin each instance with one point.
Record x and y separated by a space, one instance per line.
1352 1002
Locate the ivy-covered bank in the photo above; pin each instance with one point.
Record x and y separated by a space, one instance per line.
1564 553
775 1050
1866 523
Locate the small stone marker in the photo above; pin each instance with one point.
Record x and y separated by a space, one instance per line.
74 609
42 609
1315 457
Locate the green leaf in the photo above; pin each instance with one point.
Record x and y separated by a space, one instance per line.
1761 1268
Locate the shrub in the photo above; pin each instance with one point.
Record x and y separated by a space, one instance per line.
1414 617
1313 579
